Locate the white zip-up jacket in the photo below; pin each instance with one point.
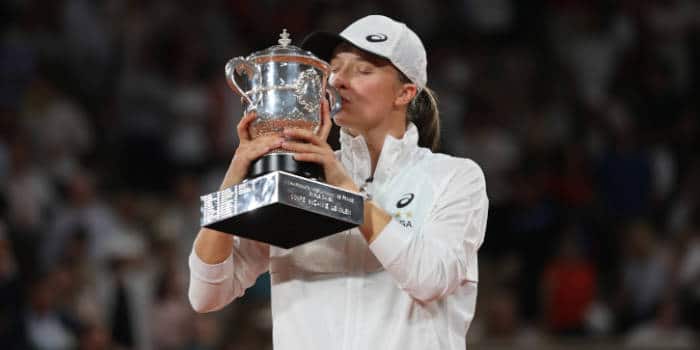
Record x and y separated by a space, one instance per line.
414 287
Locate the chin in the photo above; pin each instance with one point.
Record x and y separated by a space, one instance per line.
341 119
351 122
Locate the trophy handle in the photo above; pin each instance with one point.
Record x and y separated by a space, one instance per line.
238 66
336 102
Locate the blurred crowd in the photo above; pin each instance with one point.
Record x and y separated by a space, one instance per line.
115 116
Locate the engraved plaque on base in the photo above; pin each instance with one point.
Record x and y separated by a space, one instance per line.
282 209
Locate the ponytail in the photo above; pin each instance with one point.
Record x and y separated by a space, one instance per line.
423 112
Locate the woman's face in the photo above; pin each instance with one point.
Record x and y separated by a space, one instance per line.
368 85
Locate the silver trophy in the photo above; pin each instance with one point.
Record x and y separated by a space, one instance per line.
284 85
283 202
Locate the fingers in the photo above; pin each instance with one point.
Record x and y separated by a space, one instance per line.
308 152
301 147
259 147
303 135
309 157
242 128
326 122
266 144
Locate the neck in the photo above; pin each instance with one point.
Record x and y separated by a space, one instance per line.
396 127
374 145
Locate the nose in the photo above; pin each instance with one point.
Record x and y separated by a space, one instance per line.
338 79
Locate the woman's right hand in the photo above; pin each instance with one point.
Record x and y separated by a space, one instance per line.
248 150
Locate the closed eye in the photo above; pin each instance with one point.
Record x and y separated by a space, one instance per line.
365 69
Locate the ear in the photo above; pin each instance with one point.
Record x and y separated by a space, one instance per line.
406 93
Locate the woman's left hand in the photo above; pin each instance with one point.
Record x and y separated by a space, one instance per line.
310 147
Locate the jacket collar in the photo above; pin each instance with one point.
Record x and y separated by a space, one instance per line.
396 153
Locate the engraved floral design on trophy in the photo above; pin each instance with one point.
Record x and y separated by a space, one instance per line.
308 82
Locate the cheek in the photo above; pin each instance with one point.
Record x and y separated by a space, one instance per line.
375 93
371 99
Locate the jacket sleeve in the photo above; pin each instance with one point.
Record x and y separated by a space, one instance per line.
214 286
432 262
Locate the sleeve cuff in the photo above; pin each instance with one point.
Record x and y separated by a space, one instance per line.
210 273
391 242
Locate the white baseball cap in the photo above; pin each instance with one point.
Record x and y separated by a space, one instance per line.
379 35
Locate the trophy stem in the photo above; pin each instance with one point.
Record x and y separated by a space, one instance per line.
284 162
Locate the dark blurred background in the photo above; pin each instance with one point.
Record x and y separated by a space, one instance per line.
115 116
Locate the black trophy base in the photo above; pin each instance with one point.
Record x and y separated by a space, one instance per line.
281 225
284 162
282 209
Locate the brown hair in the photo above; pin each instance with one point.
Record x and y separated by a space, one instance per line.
423 112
